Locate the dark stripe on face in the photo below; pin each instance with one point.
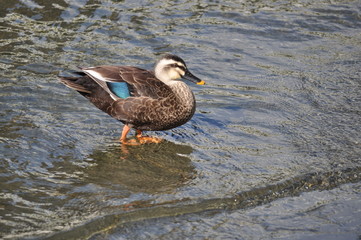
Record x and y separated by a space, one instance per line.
175 65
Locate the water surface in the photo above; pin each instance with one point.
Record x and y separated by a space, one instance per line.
273 150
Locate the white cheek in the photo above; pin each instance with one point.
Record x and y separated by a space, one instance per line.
181 73
173 74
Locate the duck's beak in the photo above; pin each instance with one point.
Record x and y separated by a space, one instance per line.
189 76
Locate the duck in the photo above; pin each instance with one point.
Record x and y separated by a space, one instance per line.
143 100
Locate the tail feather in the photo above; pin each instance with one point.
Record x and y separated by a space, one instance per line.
70 82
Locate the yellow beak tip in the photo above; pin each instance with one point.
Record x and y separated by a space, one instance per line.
201 82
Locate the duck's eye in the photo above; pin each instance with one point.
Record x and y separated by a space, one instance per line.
182 68
175 65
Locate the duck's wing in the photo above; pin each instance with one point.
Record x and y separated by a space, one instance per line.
103 74
126 81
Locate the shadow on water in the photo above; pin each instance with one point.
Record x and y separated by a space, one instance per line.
149 168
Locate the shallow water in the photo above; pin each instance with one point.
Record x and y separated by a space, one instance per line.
273 150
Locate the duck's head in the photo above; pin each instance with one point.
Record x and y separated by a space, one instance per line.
171 68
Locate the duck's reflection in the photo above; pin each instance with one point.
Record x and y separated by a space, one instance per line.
148 168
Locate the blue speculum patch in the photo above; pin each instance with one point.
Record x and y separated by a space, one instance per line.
119 88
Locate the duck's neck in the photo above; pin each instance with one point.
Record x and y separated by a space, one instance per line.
182 92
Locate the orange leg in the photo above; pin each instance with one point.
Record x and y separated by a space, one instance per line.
123 137
145 139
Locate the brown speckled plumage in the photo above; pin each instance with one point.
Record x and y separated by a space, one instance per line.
153 104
